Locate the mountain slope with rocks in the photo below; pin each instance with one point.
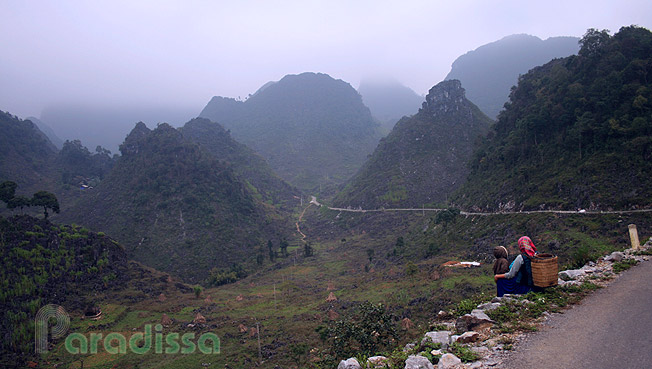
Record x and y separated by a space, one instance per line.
488 72
577 133
177 208
423 159
312 129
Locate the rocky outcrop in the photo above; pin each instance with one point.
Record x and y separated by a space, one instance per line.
418 362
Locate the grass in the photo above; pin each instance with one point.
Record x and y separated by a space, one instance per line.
289 302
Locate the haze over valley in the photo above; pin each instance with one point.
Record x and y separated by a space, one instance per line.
303 179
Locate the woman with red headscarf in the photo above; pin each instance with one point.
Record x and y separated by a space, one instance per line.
519 278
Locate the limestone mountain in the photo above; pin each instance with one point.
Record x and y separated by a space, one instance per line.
249 165
389 100
175 207
423 158
489 72
312 129
48 131
577 132
26 154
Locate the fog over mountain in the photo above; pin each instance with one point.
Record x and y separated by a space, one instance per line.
107 126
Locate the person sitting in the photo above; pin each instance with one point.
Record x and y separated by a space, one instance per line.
501 265
519 278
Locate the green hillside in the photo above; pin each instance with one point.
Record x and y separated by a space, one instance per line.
44 263
423 159
312 129
215 140
577 133
26 154
176 207
489 72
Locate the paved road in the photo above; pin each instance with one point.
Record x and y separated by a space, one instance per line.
612 328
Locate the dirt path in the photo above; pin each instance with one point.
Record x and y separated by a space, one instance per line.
612 328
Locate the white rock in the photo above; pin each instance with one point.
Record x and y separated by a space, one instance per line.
489 306
350 363
615 256
409 347
468 337
442 337
376 362
569 275
448 361
418 362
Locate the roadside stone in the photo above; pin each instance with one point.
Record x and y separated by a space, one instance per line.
377 362
441 337
571 275
350 363
468 337
615 256
448 361
477 320
489 306
482 351
409 347
418 362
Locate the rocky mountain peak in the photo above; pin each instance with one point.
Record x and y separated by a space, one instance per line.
130 146
444 97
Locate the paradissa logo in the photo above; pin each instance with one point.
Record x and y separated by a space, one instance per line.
117 343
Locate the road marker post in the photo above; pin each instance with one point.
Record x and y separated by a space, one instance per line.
633 236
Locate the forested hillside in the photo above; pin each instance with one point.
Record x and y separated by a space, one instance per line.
423 159
250 166
577 133
488 72
312 129
177 208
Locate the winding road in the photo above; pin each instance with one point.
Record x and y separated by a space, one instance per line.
611 328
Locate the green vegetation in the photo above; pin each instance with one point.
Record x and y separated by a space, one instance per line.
423 159
314 130
624 265
575 134
42 264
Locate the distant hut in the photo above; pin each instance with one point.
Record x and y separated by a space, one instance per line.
239 298
332 314
331 297
252 332
208 299
242 328
165 320
331 286
199 319
162 298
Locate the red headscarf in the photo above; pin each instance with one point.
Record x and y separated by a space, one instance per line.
526 246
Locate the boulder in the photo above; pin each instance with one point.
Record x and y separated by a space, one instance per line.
448 361
477 320
418 362
350 363
615 256
409 347
468 337
489 306
571 275
441 337
377 362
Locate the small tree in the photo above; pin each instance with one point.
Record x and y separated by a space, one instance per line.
308 250
47 200
272 253
7 191
197 291
18 202
284 248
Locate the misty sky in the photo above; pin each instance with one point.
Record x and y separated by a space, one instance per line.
178 54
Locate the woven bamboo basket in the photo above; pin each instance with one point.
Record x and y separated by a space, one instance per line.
544 270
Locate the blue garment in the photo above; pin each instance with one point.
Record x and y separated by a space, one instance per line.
504 286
